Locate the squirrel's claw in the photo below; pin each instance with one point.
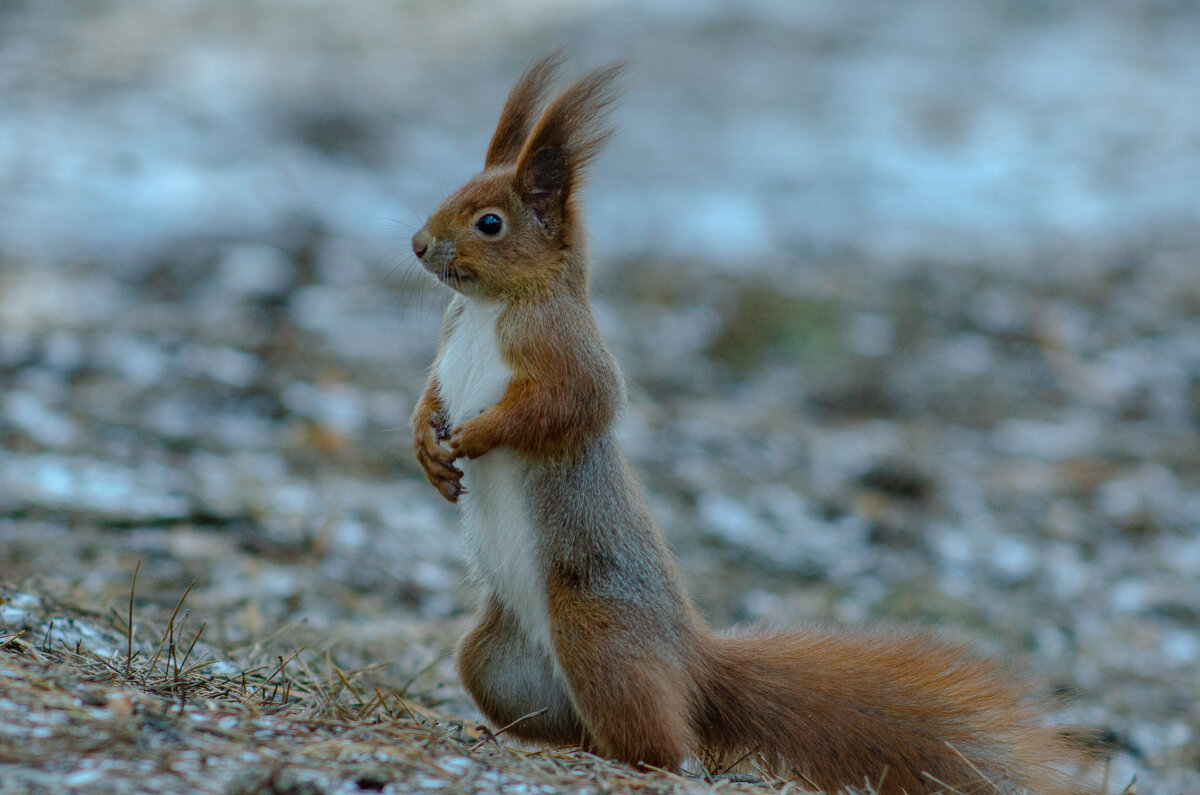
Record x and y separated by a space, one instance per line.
438 464
446 479
451 490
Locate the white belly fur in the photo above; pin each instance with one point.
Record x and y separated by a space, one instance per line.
496 521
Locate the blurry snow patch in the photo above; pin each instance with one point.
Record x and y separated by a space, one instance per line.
1071 437
66 483
36 298
727 227
759 604
254 270
1181 648
841 454
1185 555
15 346
1052 641
1159 739
968 354
46 626
317 308
1151 494
233 485
336 405
293 502
778 526
240 429
350 533
138 360
968 551
390 408
723 228
63 351
1068 574
1160 371
957 550
15 607
433 577
221 363
44 425
355 323
730 519
1013 559
870 334
997 311
1130 596
663 343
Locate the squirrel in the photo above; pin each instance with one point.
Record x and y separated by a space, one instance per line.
585 635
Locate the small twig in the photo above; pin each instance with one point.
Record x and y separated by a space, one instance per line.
282 662
171 659
346 683
368 709
129 626
188 653
665 772
178 606
487 735
971 765
168 639
383 703
7 639
404 704
939 782
726 768
490 735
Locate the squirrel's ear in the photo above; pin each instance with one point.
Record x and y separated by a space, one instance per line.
569 134
516 119
544 183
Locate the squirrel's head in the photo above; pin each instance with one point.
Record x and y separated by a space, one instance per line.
514 229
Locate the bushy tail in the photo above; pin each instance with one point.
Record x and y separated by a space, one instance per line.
906 713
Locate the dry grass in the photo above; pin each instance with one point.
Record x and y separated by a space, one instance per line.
97 701
101 701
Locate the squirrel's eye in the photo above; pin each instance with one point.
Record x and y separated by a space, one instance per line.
490 224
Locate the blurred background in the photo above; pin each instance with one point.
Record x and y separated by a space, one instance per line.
908 296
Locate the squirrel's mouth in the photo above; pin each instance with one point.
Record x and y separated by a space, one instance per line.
450 275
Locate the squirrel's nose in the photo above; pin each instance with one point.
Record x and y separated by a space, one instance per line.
420 243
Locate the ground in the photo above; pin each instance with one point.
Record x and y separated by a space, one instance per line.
906 297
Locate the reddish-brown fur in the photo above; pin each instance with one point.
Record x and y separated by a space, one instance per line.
631 672
904 711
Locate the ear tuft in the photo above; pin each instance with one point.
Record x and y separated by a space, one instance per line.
571 132
545 179
520 109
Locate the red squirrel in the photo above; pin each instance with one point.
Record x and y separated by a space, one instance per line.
585 633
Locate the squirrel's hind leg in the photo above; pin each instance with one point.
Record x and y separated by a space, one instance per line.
634 699
509 677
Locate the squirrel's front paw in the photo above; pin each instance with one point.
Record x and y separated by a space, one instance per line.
438 463
469 441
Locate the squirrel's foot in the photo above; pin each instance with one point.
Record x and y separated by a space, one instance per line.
437 461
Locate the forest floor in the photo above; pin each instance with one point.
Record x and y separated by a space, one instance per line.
849 404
